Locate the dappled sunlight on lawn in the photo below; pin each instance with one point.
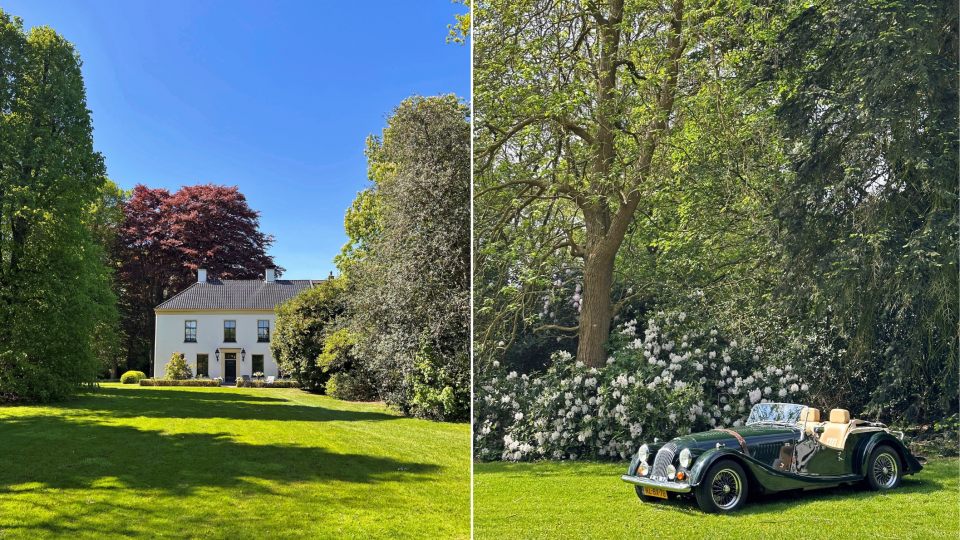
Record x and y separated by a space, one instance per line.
228 463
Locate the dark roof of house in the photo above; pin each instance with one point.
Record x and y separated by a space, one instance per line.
238 294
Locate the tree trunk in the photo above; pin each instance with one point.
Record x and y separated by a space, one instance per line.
595 311
605 233
600 253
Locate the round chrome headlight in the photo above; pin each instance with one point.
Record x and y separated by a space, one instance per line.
643 453
685 458
671 472
644 469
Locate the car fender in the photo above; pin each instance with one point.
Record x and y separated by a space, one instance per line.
866 445
708 458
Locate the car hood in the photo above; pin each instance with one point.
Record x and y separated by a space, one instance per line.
752 434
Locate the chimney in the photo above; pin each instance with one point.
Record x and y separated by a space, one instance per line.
271 274
201 274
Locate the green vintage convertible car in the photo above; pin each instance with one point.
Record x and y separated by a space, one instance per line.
783 446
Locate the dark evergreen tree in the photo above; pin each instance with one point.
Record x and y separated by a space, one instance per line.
867 218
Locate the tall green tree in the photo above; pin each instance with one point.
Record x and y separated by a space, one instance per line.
53 283
105 216
362 224
409 296
866 222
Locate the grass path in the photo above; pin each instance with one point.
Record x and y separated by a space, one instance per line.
588 500
236 463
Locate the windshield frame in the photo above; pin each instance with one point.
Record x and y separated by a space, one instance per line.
794 422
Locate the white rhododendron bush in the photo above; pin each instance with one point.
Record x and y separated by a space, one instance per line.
672 375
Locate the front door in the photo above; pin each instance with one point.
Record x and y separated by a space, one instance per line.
230 363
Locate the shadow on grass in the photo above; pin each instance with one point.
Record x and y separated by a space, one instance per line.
108 465
176 403
51 452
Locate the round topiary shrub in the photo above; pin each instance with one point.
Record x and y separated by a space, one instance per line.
132 377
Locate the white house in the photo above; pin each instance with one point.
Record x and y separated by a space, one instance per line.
223 326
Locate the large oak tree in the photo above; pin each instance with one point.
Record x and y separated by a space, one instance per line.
578 110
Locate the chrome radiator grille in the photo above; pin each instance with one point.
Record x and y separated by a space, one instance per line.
663 460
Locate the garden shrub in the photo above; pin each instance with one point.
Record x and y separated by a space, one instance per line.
437 385
132 377
302 324
684 375
350 387
264 384
177 368
348 380
173 382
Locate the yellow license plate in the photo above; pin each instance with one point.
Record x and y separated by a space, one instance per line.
655 492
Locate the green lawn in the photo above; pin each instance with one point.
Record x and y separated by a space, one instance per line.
588 500
228 463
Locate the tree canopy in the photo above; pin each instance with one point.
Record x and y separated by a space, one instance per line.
410 298
866 220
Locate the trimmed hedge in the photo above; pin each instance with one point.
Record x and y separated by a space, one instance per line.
132 377
264 384
189 382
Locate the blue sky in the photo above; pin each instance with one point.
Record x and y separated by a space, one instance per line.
276 98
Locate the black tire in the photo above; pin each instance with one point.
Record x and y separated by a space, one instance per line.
723 489
884 469
649 499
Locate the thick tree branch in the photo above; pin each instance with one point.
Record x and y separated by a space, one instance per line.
632 67
557 328
492 149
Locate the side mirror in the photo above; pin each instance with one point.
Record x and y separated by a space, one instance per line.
819 430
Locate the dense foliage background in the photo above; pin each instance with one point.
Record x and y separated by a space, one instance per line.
795 163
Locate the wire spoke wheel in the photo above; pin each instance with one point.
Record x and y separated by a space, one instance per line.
885 470
726 489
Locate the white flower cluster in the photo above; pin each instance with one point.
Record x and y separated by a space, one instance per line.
682 376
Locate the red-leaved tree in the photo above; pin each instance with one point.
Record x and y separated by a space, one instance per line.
164 237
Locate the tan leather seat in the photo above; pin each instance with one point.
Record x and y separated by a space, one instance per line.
809 418
835 431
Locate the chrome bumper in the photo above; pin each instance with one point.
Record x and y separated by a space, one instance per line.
677 487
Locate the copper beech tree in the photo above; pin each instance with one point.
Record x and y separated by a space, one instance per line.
576 103
165 237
